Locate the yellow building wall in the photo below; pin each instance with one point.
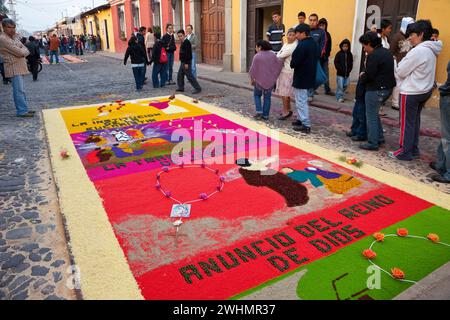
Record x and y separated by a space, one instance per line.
438 11
340 15
236 36
106 15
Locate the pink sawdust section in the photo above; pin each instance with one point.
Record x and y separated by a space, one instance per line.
216 127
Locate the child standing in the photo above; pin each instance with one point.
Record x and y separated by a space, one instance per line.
344 65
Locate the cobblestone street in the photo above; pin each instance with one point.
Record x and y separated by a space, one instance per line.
34 257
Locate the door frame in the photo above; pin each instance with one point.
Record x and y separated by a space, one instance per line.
244 24
105 22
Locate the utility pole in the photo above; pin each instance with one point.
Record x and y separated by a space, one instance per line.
12 10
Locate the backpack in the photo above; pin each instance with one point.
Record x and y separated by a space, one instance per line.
163 58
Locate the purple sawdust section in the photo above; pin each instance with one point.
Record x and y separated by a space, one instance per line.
121 151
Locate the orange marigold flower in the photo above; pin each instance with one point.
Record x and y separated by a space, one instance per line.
433 237
378 236
369 254
397 273
402 232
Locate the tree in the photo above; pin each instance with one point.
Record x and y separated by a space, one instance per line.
3 9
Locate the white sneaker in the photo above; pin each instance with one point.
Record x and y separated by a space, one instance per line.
341 100
310 99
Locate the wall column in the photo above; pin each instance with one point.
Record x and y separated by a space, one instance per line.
195 17
228 55
243 36
359 25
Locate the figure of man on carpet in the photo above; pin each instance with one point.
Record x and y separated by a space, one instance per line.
258 174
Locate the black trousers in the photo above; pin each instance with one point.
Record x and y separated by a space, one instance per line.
34 68
188 73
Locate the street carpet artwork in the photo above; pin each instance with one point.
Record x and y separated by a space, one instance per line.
195 215
65 58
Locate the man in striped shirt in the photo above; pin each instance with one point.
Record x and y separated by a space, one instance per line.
14 54
275 33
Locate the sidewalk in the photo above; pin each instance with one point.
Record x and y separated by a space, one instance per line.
431 123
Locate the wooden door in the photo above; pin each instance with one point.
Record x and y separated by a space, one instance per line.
254 23
213 31
396 10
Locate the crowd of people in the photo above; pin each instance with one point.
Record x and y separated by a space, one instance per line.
404 69
146 47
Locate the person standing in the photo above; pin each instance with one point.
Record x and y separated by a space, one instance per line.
343 62
186 64
138 61
192 37
400 46
265 69
54 47
149 42
160 62
93 43
304 62
141 41
275 33
379 80
386 29
301 18
46 45
170 47
14 54
324 61
284 82
442 166
320 37
415 75
34 57
79 46
98 43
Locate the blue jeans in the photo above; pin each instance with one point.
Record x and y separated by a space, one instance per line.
265 108
20 99
374 100
301 103
171 58
326 69
443 162
54 53
194 64
341 85
139 75
359 124
159 75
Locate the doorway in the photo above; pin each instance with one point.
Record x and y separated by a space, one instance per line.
105 22
213 31
259 18
396 10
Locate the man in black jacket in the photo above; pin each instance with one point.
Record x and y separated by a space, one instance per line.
186 64
33 58
169 44
141 41
304 62
379 80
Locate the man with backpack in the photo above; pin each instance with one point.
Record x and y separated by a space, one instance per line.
160 63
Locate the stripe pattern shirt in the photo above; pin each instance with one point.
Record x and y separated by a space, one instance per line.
276 34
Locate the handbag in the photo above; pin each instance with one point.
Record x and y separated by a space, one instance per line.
321 77
163 58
